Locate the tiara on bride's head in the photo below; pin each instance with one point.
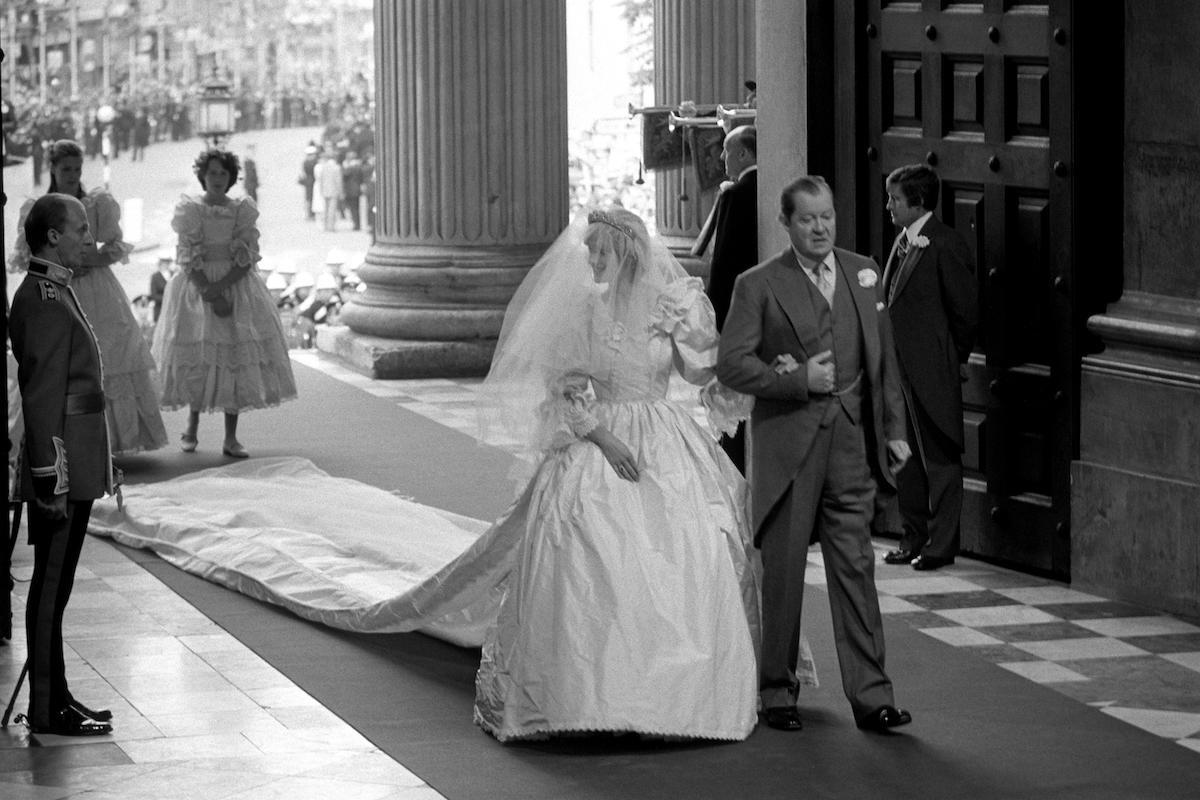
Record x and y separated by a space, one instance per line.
605 218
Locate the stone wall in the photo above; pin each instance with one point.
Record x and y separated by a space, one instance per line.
1136 485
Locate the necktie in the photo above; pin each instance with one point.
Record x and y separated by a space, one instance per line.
824 281
894 271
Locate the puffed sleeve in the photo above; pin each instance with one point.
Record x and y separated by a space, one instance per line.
685 313
19 260
187 222
244 247
108 234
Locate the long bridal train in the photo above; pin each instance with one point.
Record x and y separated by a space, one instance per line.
330 550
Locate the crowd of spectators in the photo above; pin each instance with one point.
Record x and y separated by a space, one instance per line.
157 112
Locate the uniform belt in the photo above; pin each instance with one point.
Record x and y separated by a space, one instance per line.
851 387
92 403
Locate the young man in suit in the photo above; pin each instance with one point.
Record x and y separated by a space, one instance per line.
930 292
805 337
735 242
66 462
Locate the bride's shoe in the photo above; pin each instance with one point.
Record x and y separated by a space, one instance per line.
188 443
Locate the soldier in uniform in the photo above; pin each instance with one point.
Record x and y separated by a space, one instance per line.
66 458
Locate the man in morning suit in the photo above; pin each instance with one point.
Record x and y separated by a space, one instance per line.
66 458
930 292
735 242
804 336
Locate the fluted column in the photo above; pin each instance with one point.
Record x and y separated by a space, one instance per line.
471 150
703 51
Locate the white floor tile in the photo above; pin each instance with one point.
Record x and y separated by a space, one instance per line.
1189 660
961 637
1137 626
1043 671
987 616
889 604
1078 649
1169 724
925 584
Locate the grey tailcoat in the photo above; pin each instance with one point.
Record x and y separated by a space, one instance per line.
769 316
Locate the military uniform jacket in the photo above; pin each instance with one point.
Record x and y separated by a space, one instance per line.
66 449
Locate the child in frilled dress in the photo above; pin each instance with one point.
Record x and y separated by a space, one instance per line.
219 343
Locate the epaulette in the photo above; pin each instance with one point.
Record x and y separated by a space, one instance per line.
48 289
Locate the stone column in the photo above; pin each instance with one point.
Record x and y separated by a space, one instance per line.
471 165
703 51
782 111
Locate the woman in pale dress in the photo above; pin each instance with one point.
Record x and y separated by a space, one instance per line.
131 388
219 343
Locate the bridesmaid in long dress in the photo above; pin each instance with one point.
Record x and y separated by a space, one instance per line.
219 342
131 387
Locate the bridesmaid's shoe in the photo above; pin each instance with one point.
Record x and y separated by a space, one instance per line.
235 450
188 443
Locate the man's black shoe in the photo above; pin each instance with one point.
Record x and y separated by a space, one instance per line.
100 715
900 556
69 722
784 718
926 563
884 718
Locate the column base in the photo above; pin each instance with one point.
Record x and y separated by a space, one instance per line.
391 359
1135 494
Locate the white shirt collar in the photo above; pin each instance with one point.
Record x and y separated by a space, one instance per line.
747 171
829 260
915 229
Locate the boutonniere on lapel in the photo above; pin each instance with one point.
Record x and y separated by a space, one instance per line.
867 278
921 241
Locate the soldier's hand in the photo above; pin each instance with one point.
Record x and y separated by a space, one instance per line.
821 373
54 507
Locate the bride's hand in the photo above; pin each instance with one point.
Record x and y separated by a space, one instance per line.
618 455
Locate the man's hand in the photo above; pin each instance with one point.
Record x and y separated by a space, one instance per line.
53 507
785 363
898 455
821 373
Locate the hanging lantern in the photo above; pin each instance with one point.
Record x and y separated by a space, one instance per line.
216 110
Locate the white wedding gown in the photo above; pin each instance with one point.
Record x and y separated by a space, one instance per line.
601 604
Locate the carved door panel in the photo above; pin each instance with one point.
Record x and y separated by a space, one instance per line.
982 92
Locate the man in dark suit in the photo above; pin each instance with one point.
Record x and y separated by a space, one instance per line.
66 462
804 336
733 226
930 292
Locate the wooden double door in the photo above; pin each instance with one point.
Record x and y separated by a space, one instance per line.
983 92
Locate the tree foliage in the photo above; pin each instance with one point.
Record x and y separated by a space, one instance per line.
639 16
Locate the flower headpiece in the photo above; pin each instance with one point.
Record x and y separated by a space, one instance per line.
605 218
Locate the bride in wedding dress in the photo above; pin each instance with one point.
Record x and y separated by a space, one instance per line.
619 592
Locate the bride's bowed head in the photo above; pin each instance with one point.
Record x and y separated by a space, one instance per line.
604 264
